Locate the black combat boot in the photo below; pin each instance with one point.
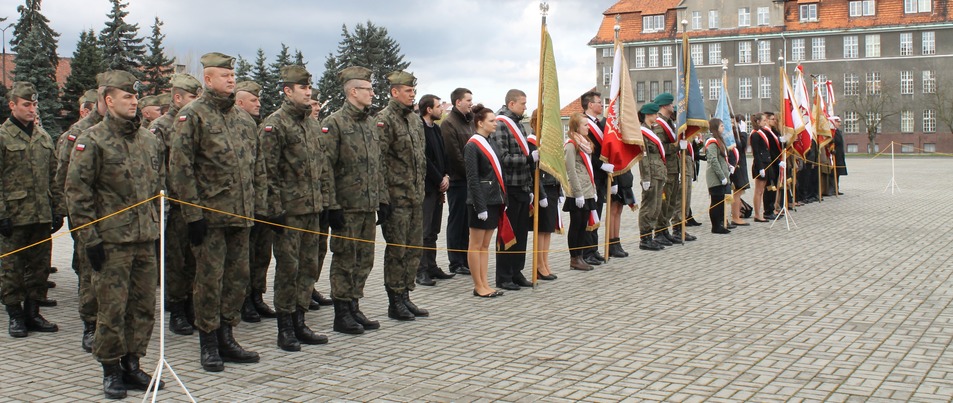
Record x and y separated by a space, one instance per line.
113 386
17 321
320 299
286 335
46 302
672 238
619 247
133 377
263 309
412 307
230 350
249 314
303 332
677 234
89 334
34 321
396 308
211 361
313 305
360 318
178 319
423 278
343 319
647 243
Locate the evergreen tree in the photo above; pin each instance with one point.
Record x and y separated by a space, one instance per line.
242 69
330 87
32 20
87 62
157 68
33 65
4 104
368 46
271 96
299 58
122 46
262 75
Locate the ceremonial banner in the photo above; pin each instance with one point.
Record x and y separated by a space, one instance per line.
622 142
723 112
792 122
692 118
822 126
550 132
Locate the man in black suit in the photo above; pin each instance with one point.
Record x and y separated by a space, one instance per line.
592 105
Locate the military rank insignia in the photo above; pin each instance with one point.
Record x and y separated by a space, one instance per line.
324 130
71 137
80 147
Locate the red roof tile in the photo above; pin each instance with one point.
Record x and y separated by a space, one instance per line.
63 70
573 106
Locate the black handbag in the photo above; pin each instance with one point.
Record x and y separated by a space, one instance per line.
746 209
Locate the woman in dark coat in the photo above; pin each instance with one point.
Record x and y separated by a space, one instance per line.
738 162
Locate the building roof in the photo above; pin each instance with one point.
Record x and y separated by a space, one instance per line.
836 15
573 106
63 70
630 13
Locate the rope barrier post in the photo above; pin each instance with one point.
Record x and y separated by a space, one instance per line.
893 173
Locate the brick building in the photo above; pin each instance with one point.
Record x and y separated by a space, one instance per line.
884 56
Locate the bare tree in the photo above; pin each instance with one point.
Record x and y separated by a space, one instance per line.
941 101
875 103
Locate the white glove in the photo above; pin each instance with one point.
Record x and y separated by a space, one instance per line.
761 174
782 165
530 198
607 167
724 181
580 201
615 189
483 216
562 199
682 144
544 202
731 170
535 155
646 185
783 139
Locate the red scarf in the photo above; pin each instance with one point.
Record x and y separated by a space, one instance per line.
505 235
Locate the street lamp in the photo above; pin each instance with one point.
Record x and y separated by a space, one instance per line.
4 62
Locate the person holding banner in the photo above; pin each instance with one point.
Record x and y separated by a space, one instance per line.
653 172
717 176
485 203
583 216
592 103
549 218
739 178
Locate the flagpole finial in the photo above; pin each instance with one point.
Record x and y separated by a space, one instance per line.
724 64
543 8
617 27
684 24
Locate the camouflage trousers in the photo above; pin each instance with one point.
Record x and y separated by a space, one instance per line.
221 277
296 263
84 276
261 238
179 260
403 227
651 208
126 291
352 259
673 197
677 214
23 274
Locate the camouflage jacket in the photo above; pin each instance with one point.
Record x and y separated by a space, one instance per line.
671 147
28 191
163 129
353 149
64 145
651 166
214 162
296 162
403 149
114 165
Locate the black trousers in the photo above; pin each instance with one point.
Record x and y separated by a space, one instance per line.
716 211
433 218
509 265
578 238
600 204
458 231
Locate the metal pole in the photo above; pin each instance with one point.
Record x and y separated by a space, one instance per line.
4 62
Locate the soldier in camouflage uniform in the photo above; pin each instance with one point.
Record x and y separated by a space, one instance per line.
214 162
317 299
359 191
402 149
653 172
672 203
31 208
150 109
298 178
116 164
64 144
179 261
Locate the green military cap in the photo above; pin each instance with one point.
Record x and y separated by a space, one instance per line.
120 79
90 96
354 73
148 101
165 99
649 108
315 95
402 78
663 99
23 90
295 74
249 87
216 59
186 82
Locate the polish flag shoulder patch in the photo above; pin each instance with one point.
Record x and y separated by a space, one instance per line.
324 130
71 137
80 147
153 130
380 124
182 118
268 129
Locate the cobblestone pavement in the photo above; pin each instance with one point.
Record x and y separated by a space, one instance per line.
853 304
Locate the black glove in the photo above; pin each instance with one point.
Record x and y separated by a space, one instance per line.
336 219
323 222
97 256
383 213
280 219
256 226
197 231
56 224
6 227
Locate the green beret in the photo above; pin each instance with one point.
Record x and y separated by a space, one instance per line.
165 99
295 74
216 59
649 108
249 87
90 96
354 73
186 83
402 78
663 99
120 79
23 90
148 101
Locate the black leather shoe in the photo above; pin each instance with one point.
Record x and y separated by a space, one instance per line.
360 318
50 284
688 237
522 281
178 320
770 216
396 309
313 305
17 321
731 225
343 319
230 350
89 334
36 322
598 256
509 285
423 278
692 223
320 298
208 344
46 302
547 277
412 307
286 334
462 270
675 240
249 314
133 376
648 244
592 261
720 230
661 239
439 274
263 309
303 333
113 387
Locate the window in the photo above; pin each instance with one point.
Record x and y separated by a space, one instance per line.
640 91
763 16
744 52
653 89
653 23
862 8
764 87
906 122
929 82
851 122
873 83
808 12
744 17
851 84
605 103
764 52
929 42
818 49
714 53
797 50
698 56
917 6
712 19
714 88
852 148
906 83
667 87
906 147
608 52
653 56
929 147
874 120
744 88
666 56
640 58
929 121
906 43
872 45
606 75
696 20
851 49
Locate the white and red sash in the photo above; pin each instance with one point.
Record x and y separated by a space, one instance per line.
593 222
505 235
773 137
714 141
669 131
516 132
595 130
650 135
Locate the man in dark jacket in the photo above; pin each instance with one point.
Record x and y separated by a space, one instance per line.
436 184
457 128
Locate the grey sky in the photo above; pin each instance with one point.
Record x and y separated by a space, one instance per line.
488 46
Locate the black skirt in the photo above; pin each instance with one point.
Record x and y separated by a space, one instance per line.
625 196
492 220
549 216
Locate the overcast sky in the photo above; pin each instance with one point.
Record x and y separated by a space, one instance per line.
488 46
